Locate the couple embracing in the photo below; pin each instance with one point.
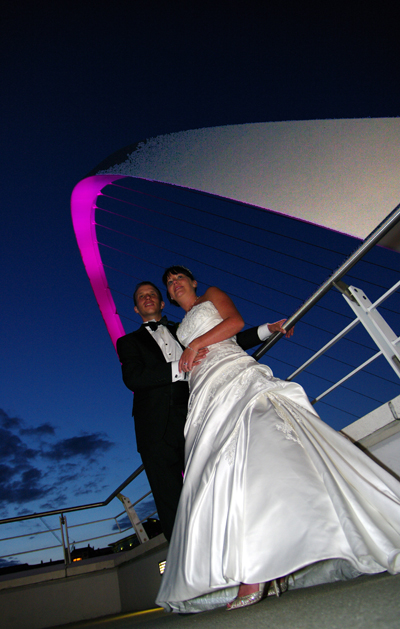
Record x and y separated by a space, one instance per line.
269 489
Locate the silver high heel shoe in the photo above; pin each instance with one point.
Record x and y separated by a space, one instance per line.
248 599
274 589
278 586
284 584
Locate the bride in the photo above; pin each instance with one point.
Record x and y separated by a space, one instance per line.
269 489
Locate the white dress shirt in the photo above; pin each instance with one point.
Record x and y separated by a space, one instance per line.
170 348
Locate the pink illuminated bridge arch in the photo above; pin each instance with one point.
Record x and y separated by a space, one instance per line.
83 204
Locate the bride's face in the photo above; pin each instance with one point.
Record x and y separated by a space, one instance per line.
180 286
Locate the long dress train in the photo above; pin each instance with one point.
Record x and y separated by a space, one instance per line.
269 488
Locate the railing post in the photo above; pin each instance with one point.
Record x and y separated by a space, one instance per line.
134 519
67 539
376 326
67 555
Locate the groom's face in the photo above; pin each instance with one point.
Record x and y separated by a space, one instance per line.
148 303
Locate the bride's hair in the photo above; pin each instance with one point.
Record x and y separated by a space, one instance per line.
175 270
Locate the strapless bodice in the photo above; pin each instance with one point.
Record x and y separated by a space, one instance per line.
199 320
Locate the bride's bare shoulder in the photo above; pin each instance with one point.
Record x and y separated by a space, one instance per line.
212 292
221 301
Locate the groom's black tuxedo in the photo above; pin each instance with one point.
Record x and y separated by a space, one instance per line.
146 372
159 410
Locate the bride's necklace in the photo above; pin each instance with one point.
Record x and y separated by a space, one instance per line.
194 303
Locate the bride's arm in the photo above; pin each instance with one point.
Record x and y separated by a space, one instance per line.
232 324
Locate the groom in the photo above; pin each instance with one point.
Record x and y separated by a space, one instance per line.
149 358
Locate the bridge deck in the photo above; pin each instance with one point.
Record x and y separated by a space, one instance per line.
364 603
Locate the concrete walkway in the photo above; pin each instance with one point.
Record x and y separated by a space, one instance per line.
369 602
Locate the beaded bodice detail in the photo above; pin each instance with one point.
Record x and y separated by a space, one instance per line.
199 320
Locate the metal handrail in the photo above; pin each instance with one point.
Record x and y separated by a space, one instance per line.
375 236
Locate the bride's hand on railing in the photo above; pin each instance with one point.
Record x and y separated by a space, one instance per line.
278 326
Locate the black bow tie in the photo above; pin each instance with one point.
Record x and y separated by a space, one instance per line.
153 325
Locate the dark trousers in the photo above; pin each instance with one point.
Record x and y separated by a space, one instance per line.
164 463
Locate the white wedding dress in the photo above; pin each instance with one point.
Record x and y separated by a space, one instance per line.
269 489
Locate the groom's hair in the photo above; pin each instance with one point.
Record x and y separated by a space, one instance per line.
175 270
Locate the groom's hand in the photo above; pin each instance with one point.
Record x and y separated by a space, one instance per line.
278 326
201 354
191 357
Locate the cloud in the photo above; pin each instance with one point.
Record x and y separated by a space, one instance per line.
20 480
7 563
86 445
58 501
28 474
14 449
91 486
39 431
67 478
9 422
24 488
6 474
24 512
145 508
